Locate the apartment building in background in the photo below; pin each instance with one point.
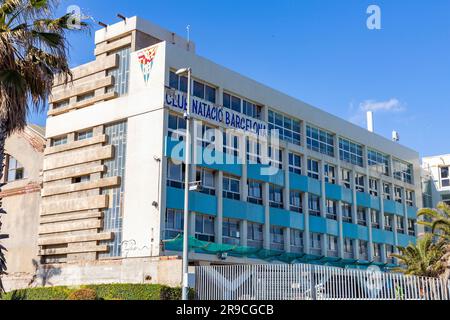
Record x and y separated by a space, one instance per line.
436 180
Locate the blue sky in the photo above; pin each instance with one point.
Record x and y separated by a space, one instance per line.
319 51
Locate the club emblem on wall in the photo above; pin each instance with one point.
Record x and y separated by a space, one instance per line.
146 58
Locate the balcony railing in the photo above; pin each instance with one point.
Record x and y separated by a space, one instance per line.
331 216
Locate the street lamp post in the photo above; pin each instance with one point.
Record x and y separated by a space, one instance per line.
187 116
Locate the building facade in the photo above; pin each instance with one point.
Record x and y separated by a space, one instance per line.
21 200
113 172
436 187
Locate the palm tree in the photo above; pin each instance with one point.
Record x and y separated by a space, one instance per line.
438 220
423 259
33 51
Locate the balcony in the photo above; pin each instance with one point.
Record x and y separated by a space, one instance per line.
348 255
362 222
257 244
316 251
363 257
296 249
347 219
332 253
331 216
277 246
375 225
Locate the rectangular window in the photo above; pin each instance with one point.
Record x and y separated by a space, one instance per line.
231 144
84 135
255 192
332 246
378 161
204 228
252 110
346 178
230 232
295 163
362 217
373 187
86 96
254 235
276 158
375 217
121 74
398 193
363 253
206 135
445 176
15 170
179 83
330 173
314 205
319 140
313 169
348 248
205 92
377 252
315 240
207 181
176 127
400 224
351 152
174 224
275 196
59 141
231 188
253 151
347 212
410 198
359 183
296 202
81 179
388 222
402 171
289 129
296 241
61 104
175 175
331 209
232 102
387 191
412 227
277 238
389 253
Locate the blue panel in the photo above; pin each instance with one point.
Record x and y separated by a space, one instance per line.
389 206
347 195
382 236
243 211
333 192
333 228
350 230
412 213
287 219
257 172
198 202
314 186
404 240
375 203
363 233
363 199
317 224
174 149
298 182
399 209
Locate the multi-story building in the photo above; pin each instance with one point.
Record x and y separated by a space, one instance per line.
436 180
113 172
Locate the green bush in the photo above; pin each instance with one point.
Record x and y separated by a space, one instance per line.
102 292
83 294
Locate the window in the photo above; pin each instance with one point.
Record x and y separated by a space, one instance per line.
332 246
313 169
296 202
387 191
253 151
295 163
348 248
330 173
121 73
359 183
314 205
347 212
375 217
231 144
445 177
252 110
351 152
288 128
376 251
315 240
86 96
230 232
275 196
389 253
84 135
402 171
176 127
232 102
255 235
207 136
363 253
378 161
81 179
14 169
362 217
411 227
331 209
373 187
388 222
400 224
346 178
204 228
206 178
174 224
61 104
231 188
255 192
175 175
276 158
296 241
398 193
277 238
179 83
58 141
205 92
319 140
410 198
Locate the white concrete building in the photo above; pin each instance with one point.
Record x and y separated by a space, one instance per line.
436 178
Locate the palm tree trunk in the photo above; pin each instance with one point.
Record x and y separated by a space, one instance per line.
3 134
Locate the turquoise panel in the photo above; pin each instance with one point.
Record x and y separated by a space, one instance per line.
332 228
374 202
399 209
389 206
333 192
314 186
243 211
317 224
287 219
404 240
174 149
363 199
350 230
412 213
263 173
198 202
298 182
363 233
347 195
382 236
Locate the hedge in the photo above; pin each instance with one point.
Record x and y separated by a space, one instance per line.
103 292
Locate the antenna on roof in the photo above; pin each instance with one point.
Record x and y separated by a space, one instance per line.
104 25
188 30
122 17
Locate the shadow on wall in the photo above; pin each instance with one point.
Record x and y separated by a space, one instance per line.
42 275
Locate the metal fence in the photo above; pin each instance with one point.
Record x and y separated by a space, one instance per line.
311 282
